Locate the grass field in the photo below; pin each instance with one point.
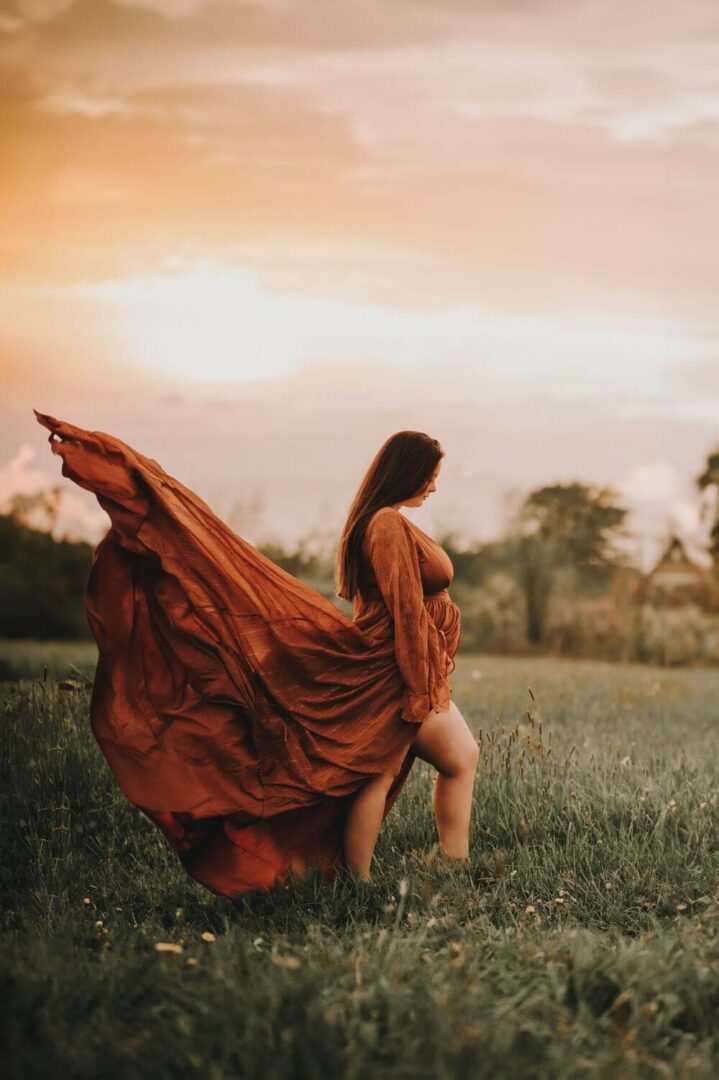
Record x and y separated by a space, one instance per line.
582 942
57 659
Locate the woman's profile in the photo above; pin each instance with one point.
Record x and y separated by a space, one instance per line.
259 727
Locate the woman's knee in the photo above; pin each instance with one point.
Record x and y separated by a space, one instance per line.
460 759
446 742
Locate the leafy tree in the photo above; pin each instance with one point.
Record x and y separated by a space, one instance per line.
562 527
579 521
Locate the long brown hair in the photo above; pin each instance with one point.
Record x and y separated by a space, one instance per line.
401 469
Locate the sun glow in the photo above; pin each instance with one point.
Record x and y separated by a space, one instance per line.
205 325
208 323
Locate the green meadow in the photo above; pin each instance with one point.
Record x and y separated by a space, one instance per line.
582 941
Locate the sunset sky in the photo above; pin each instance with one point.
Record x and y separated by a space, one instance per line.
255 239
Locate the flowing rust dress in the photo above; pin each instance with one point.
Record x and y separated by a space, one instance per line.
237 707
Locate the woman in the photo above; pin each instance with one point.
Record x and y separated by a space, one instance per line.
261 729
398 580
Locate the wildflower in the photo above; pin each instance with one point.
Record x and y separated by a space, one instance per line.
167 947
207 936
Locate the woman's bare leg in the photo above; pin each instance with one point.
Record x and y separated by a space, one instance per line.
363 823
445 741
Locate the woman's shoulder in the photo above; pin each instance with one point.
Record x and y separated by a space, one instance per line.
386 516
393 520
385 522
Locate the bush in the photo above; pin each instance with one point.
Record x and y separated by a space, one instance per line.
595 629
494 615
673 636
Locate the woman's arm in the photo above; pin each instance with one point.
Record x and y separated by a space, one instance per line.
420 648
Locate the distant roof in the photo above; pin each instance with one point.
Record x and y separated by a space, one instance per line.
676 561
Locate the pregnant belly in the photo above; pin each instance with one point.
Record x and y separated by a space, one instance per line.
372 617
446 616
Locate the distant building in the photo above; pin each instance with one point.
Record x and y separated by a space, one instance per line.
677 579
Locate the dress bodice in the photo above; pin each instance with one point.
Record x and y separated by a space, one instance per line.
414 575
435 566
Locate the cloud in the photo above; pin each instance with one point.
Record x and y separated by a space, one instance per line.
79 515
699 378
254 162
525 153
497 137
528 210
37 11
664 502
17 475
657 481
517 193
191 25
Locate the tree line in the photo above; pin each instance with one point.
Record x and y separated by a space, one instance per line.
562 537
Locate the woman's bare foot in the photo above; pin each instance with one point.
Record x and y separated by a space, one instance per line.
436 855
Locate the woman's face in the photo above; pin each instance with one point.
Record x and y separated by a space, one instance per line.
426 491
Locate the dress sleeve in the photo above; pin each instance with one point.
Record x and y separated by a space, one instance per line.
420 648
